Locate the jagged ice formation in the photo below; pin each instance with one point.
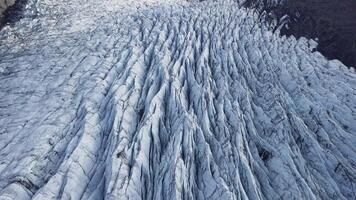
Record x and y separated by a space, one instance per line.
170 100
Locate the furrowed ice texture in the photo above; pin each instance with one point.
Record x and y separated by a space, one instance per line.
178 101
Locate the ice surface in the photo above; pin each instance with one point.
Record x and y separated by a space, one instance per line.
169 100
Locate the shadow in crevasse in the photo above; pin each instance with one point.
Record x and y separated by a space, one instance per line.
332 22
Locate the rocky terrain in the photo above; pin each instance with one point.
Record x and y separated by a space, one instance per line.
170 100
4 4
332 22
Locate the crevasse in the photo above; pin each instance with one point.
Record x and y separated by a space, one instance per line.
174 100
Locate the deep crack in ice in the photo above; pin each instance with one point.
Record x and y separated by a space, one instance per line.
173 101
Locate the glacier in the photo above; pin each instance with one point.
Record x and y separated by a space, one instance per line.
170 100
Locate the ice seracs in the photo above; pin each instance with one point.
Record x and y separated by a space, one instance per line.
173 101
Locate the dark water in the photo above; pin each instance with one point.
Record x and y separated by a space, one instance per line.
333 22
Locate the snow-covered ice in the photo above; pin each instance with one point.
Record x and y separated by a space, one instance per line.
169 100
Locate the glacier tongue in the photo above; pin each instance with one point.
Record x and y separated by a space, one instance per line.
171 101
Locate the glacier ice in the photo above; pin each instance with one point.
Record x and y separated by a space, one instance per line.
170 100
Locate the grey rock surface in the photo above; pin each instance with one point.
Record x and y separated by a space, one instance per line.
4 4
333 23
170 100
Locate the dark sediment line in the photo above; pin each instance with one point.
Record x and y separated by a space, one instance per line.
332 22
